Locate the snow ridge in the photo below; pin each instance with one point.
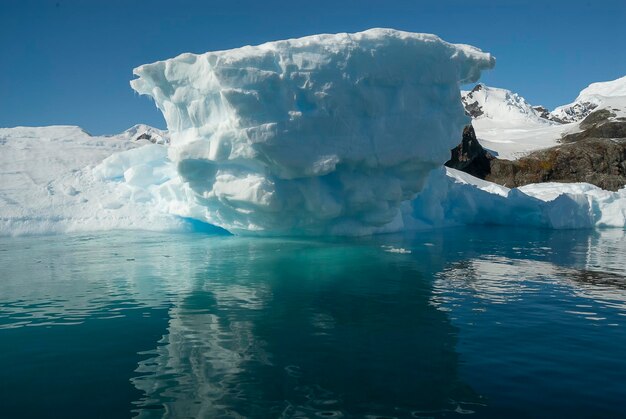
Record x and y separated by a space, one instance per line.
594 97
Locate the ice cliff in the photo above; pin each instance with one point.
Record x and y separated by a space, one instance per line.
326 134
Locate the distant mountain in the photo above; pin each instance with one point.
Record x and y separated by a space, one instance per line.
145 132
595 96
500 105
584 141
509 108
506 124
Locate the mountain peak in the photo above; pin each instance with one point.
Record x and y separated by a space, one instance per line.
500 105
595 96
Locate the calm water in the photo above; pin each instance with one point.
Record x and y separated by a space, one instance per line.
490 322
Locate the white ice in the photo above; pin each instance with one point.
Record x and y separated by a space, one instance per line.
326 134
454 198
48 185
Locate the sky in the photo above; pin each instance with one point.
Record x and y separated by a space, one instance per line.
70 62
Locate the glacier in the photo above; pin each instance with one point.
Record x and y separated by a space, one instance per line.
326 134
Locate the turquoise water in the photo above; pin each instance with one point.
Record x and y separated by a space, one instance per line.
485 322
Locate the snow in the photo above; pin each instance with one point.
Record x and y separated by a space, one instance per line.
603 89
142 131
326 134
504 107
47 184
511 128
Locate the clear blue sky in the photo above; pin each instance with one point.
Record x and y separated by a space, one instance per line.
69 62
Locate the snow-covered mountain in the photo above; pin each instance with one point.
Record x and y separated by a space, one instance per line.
501 106
145 132
506 124
510 127
595 96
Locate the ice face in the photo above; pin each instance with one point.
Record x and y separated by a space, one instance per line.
452 198
326 134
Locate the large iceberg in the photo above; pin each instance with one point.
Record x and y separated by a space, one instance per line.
326 134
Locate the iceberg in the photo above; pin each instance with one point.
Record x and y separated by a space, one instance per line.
453 198
326 134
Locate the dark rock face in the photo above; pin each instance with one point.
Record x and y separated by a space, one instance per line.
469 156
472 107
598 161
153 138
543 112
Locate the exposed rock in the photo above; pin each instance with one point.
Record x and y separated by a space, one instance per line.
599 124
543 112
472 107
572 113
470 156
546 114
601 162
145 136
153 137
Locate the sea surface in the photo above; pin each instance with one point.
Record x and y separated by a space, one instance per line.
462 322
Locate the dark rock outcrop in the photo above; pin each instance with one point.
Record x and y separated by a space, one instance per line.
470 156
153 138
472 107
599 124
145 136
546 114
543 112
601 162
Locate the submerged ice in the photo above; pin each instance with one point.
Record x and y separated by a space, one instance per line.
326 134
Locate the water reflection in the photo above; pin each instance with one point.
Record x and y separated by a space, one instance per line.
423 324
577 264
283 329
542 331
